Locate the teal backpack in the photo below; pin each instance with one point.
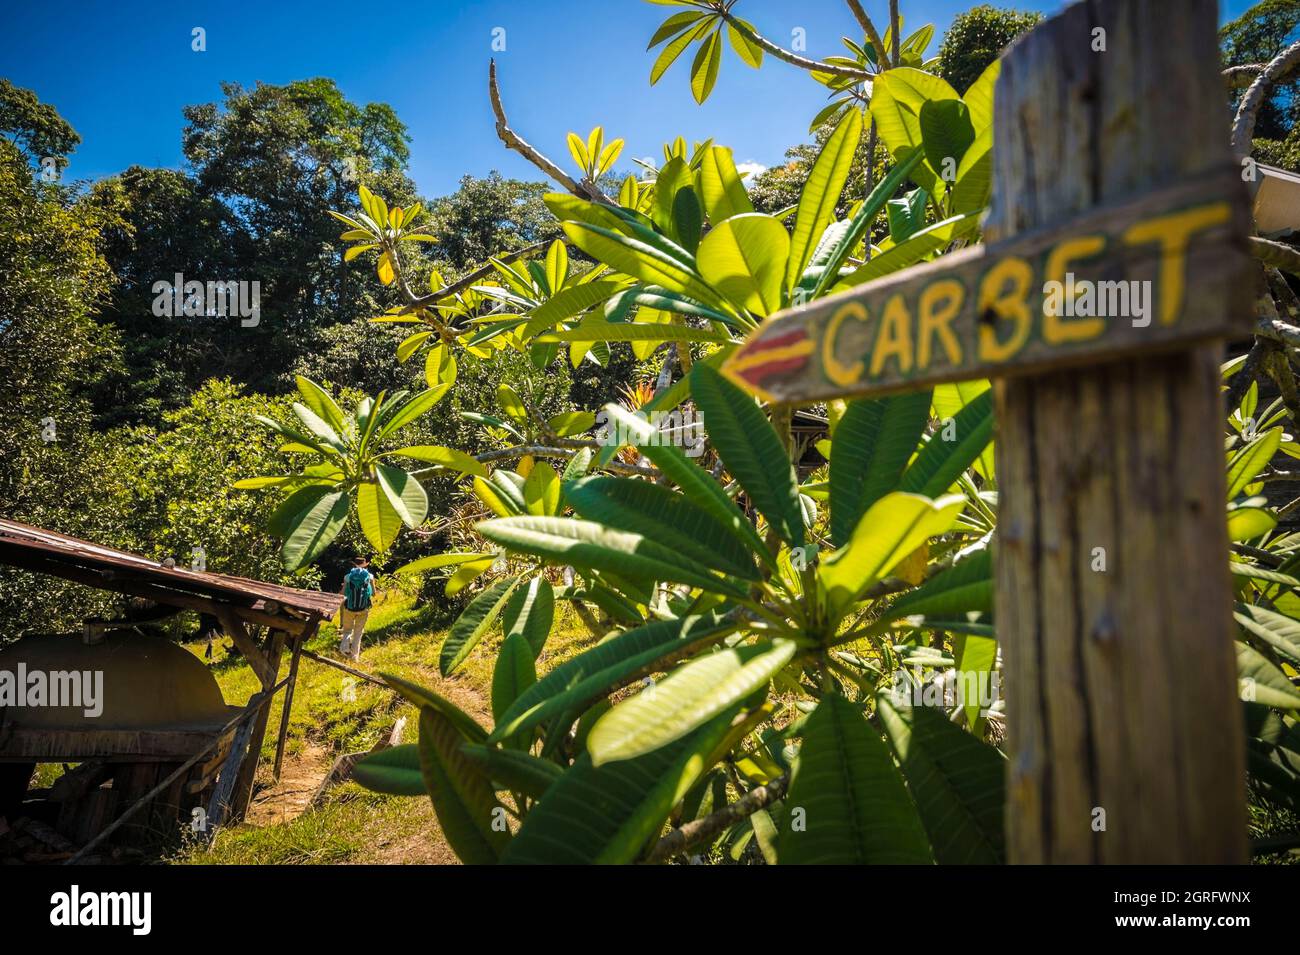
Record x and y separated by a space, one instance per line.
356 591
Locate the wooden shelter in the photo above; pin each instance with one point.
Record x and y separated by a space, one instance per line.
164 735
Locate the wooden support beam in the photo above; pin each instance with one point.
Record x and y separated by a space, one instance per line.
222 795
238 631
248 771
288 700
225 794
359 674
1113 594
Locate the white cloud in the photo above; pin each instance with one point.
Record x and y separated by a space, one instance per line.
749 171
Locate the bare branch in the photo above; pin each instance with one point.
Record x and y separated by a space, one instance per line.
1275 330
468 279
1275 254
1282 293
1243 125
699 830
1279 369
538 451
894 25
1249 372
1239 77
794 59
869 28
1263 556
512 140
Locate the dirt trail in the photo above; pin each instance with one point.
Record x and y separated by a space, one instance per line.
300 776
303 772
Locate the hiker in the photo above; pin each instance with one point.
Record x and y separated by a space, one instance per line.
358 588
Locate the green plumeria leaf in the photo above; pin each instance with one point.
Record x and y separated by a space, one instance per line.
530 613
395 771
855 807
460 791
667 517
955 781
576 683
471 626
607 814
821 193
751 450
314 528
689 696
404 494
890 530
873 443
591 546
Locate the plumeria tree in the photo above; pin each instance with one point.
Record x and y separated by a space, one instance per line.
796 645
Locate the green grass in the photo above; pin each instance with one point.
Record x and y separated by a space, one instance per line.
335 713
354 826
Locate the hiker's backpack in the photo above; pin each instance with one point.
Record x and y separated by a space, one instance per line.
356 592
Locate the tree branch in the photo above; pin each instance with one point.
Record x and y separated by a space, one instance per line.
1243 125
1279 369
465 281
1275 330
537 451
1275 254
1249 372
893 30
869 28
512 140
794 59
1239 77
699 830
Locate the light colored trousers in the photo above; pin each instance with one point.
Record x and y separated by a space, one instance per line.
352 623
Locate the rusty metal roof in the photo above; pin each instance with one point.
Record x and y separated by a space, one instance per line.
37 549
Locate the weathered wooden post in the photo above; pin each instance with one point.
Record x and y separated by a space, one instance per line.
1111 164
1121 688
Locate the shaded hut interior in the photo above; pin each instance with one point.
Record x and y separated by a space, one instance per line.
140 722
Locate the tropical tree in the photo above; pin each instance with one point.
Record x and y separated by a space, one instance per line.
795 663
976 37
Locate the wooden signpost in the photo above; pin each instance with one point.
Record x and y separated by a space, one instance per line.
1113 608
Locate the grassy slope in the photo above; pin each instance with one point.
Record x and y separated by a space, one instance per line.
335 714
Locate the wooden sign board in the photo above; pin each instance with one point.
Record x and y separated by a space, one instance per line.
1166 269
1117 263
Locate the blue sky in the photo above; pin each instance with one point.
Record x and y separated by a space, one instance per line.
121 71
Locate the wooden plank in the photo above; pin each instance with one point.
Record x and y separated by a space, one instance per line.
984 312
359 674
1113 598
243 792
283 735
238 631
118 583
203 775
19 542
222 796
78 745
